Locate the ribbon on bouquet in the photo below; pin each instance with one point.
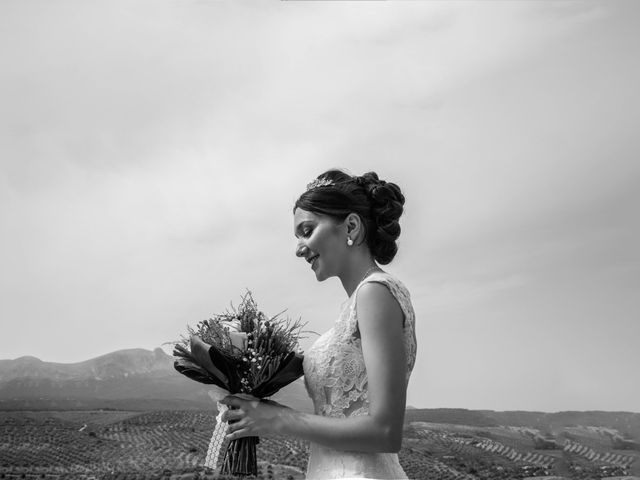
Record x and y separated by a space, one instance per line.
219 432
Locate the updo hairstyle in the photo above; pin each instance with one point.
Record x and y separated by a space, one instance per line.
378 203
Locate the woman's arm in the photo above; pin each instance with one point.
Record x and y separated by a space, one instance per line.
380 321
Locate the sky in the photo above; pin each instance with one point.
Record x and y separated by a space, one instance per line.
151 153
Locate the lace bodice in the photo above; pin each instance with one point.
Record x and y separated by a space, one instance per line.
336 380
334 370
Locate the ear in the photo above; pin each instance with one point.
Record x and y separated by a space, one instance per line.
354 225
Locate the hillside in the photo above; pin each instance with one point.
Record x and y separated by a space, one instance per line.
627 422
134 379
154 445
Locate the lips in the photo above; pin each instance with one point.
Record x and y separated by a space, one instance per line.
312 260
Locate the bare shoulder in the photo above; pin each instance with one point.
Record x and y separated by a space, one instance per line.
375 302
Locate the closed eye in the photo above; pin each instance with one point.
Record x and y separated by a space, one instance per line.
304 231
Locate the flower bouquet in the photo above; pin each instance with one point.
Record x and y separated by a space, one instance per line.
240 351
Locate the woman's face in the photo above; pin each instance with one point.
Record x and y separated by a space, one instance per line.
321 242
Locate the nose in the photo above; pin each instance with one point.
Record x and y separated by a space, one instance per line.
301 248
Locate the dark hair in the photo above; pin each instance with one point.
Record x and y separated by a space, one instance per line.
378 203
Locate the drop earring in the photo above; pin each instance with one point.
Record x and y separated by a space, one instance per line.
349 241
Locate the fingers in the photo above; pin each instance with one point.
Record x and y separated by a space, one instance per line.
241 400
233 415
239 425
232 401
240 429
239 434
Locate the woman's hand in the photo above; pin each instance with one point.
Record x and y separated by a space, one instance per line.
252 416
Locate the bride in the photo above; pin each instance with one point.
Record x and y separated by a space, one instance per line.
357 372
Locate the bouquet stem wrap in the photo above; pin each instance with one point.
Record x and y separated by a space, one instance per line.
217 439
240 457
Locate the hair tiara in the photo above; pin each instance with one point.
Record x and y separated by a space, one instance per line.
320 182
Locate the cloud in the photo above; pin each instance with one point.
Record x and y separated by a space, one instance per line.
150 155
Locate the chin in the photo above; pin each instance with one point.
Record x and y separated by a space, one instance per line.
321 276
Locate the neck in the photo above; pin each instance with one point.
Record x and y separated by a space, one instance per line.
356 272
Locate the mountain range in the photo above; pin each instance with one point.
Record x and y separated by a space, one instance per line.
133 379
138 379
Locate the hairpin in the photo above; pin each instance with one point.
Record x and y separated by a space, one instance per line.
319 182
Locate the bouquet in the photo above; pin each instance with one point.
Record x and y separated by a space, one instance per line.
240 351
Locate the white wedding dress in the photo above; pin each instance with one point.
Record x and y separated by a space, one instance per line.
336 380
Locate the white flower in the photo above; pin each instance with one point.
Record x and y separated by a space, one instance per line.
238 339
231 325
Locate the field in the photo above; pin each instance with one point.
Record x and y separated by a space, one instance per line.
121 445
